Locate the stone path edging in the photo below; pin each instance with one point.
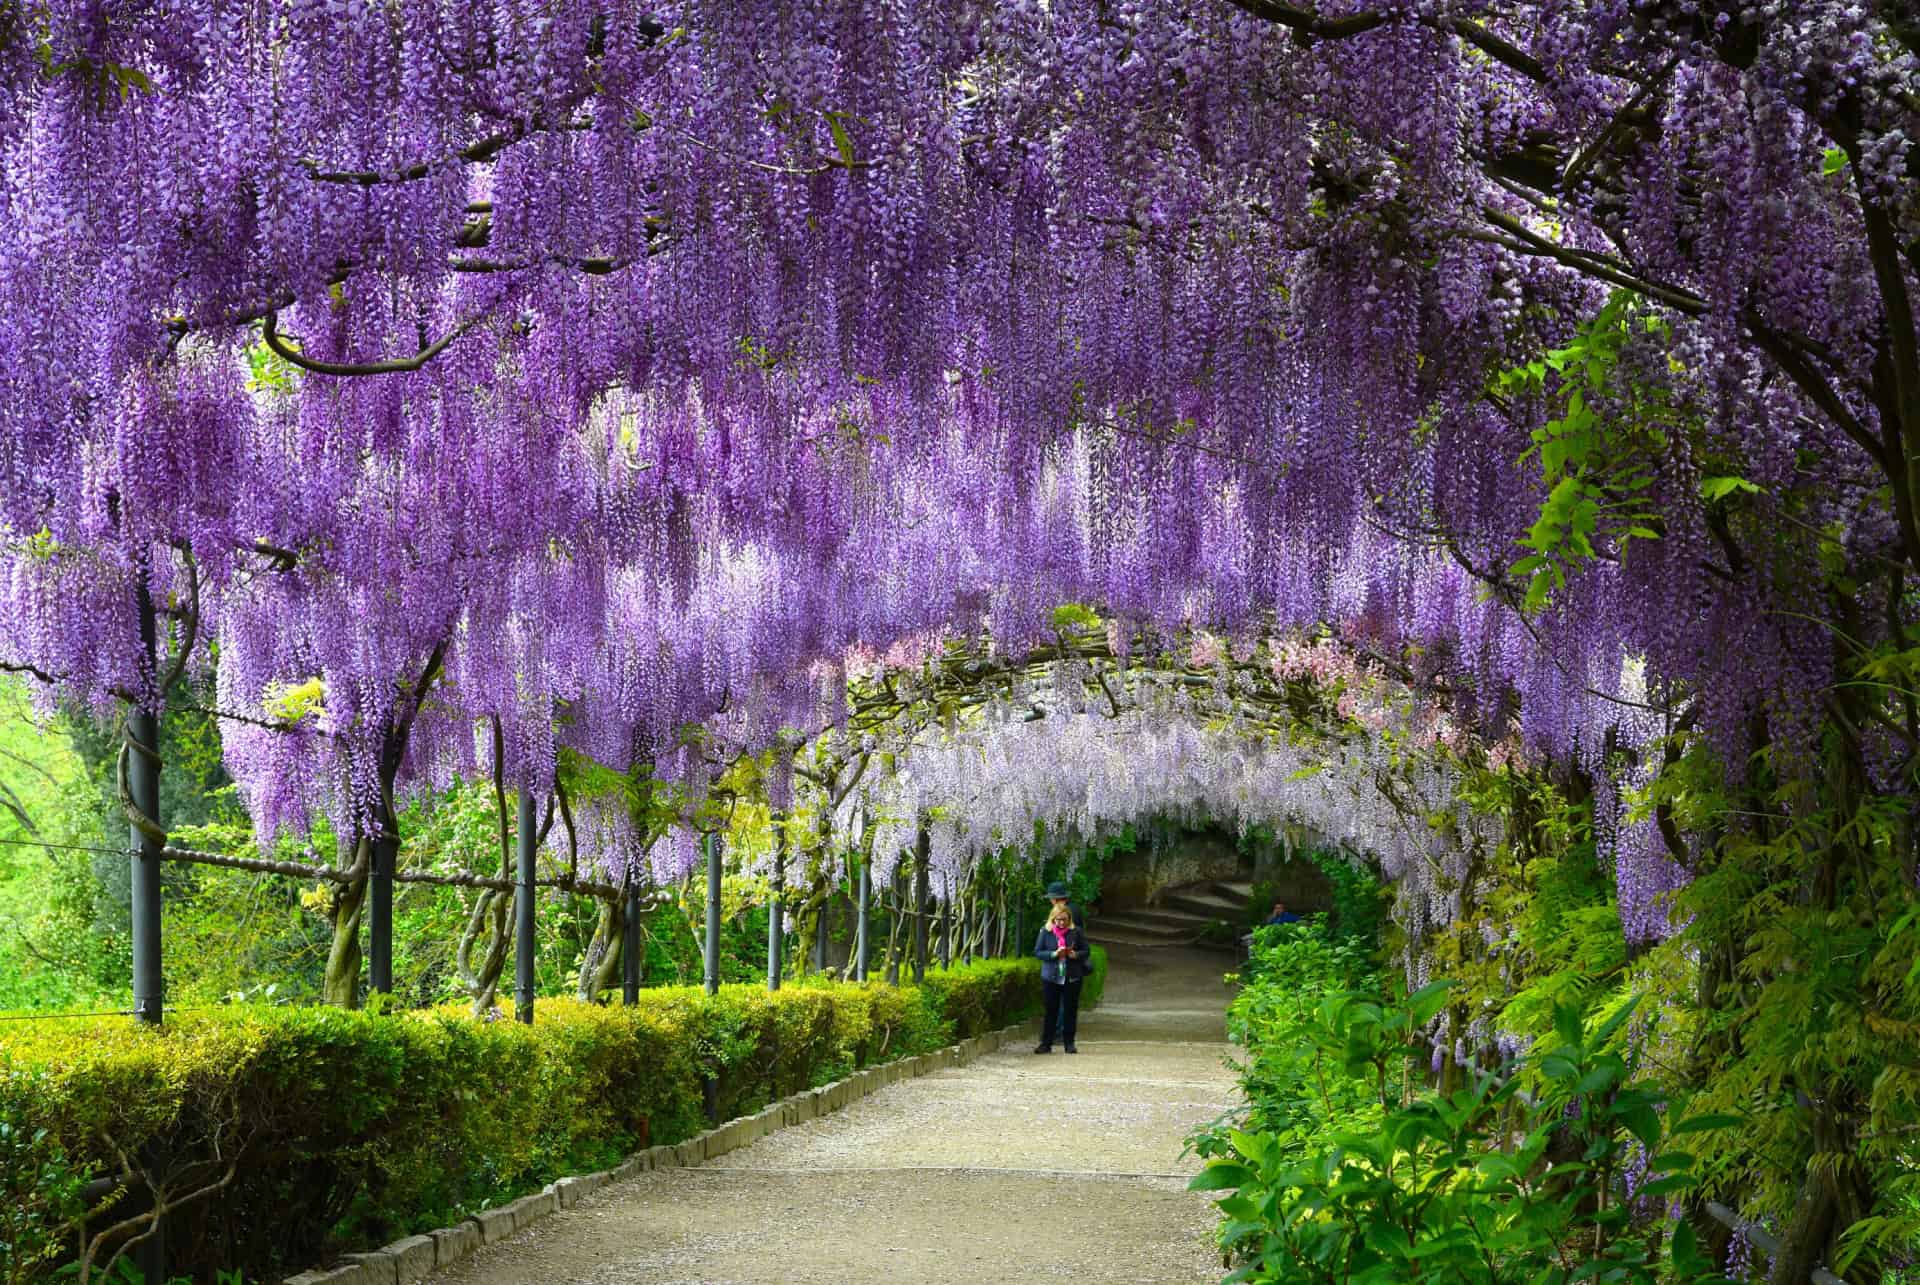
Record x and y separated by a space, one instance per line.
414 1258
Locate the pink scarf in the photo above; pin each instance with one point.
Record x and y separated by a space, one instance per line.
1059 933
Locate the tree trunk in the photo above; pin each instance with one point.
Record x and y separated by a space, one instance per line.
342 985
1809 1228
490 911
600 963
490 917
921 899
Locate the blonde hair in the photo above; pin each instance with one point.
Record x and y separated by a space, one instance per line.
1061 911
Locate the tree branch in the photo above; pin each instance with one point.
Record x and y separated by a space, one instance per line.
1817 389
190 625
31 766
12 802
270 334
283 560
839 795
1307 23
598 266
22 667
328 874
1603 266
478 153
418 693
269 724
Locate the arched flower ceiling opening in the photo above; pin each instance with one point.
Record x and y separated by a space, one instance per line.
1284 735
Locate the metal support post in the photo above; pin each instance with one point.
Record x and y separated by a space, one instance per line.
896 909
630 951
380 913
946 927
777 907
525 840
143 790
776 938
143 782
385 856
713 915
922 847
860 929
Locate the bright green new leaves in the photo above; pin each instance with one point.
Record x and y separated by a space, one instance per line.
1596 453
289 703
1713 489
1069 617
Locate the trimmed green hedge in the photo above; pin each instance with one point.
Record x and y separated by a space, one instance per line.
344 1130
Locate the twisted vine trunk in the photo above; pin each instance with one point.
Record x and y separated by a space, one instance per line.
489 916
349 909
341 987
1835 1191
600 966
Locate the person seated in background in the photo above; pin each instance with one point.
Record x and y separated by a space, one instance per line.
1278 915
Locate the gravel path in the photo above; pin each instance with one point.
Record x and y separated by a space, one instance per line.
1015 1168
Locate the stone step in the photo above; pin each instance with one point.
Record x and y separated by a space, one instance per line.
1208 904
1120 937
1240 890
1167 914
1145 923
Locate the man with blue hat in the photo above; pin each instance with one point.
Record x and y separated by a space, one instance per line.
1057 894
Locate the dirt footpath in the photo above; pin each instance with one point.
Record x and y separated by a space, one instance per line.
1015 1168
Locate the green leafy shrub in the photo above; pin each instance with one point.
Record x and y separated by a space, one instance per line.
321 1129
1288 1091
1481 1185
40 1190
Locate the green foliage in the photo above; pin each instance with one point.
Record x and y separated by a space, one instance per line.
1072 616
348 1128
40 1190
1789 996
61 940
1289 1092
1390 1184
1594 454
1080 863
1360 900
1821 1030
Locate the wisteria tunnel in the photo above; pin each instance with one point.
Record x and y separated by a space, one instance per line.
584 584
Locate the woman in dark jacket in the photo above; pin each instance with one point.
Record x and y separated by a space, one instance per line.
1064 958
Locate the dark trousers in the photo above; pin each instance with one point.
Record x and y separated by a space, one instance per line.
1062 1012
